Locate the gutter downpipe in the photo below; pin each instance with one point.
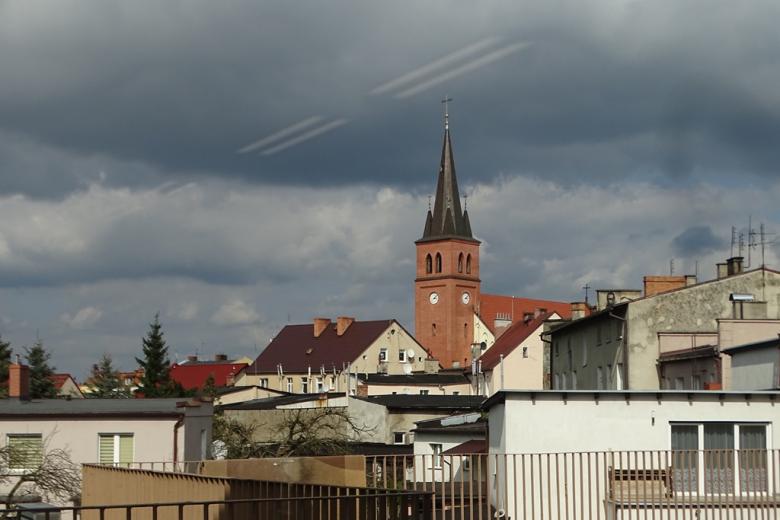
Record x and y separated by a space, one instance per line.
623 341
549 342
501 367
179 423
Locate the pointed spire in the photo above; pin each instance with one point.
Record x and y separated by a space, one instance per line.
447 220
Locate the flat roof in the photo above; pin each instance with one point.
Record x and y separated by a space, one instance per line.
769 343
500 396
169 407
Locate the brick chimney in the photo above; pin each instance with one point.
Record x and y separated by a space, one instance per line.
220 357
578 310
734 265
661 284
342 324
192 358
19 381
320 324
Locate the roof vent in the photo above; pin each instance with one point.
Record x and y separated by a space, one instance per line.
741 297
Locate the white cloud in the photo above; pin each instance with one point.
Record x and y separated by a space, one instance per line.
187 311
235 312
83 319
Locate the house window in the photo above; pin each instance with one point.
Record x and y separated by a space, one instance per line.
726 447
115 448
438 262
573 379
304 385
399 437
320 385
619 376
557 382
525 352
402 355
584 351
600 378
428 264
25 451
263 382
696 382
608 378
382 355
290 385
436 449
455 392
557 350
424 392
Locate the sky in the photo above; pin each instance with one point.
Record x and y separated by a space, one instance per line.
236 166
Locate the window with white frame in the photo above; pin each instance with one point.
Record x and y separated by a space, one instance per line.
525 352
25 451
402 355
290 384
399 437
304 385
436 449
719 458
263 382
115 448
320 385
382 354
424 392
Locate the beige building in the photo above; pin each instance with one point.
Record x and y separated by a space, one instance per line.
445 382
622 346
319 356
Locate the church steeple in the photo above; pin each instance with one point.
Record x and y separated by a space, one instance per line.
447 219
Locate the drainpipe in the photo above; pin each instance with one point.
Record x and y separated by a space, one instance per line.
548 375
501 368
179 423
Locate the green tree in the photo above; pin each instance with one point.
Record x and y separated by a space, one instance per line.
5 361
156 381
210 387
104 380
41 383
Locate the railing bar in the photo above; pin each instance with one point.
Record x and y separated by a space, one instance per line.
462 485
522 480
549 490
514 484
479 486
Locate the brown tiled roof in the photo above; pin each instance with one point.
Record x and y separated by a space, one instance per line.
511 339
297 350
491 305
60 379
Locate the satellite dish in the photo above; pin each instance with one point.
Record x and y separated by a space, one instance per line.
407 369
410 354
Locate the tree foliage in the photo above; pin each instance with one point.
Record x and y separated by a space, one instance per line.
54 477
5 362
156 381
41 383
104 381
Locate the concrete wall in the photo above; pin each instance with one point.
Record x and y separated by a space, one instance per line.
694 309
345 470
552 422
674 341
741 332
519 371
757 369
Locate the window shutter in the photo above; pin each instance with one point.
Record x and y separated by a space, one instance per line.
26 451
106 449
126 448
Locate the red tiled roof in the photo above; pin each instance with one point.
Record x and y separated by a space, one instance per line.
511 339
61 379
194 376
297 350
491 305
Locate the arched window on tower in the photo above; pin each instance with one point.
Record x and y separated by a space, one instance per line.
438 262
468 264
460 263
428 264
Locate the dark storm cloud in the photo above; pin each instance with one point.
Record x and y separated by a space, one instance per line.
629 89
696 240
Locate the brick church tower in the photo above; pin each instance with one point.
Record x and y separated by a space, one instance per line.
446 289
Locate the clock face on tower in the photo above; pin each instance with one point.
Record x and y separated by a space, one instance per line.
434 298
465 298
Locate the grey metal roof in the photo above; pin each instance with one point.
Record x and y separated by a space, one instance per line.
114 407
270 403
774 342
414 379
425 402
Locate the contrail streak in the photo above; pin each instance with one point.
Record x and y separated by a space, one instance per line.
280 134
306 136
432 66
463 69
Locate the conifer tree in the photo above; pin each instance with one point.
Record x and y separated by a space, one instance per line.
5 361
41 383
210 387
156 381
104 380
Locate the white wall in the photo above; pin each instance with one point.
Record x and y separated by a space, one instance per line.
755 369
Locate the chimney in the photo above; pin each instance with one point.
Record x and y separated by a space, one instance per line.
342 324
578 310
192 358
19 381
690 279
661 284
734 265
320 324
722 270
220 357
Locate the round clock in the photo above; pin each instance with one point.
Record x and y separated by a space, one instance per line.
465 298
434 298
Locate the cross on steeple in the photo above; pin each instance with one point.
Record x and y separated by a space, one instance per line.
446 111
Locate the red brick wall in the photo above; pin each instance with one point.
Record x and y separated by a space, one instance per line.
453 319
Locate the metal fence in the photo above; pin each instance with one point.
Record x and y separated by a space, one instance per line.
694 484
363 504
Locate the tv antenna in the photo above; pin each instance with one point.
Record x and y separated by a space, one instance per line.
586 288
